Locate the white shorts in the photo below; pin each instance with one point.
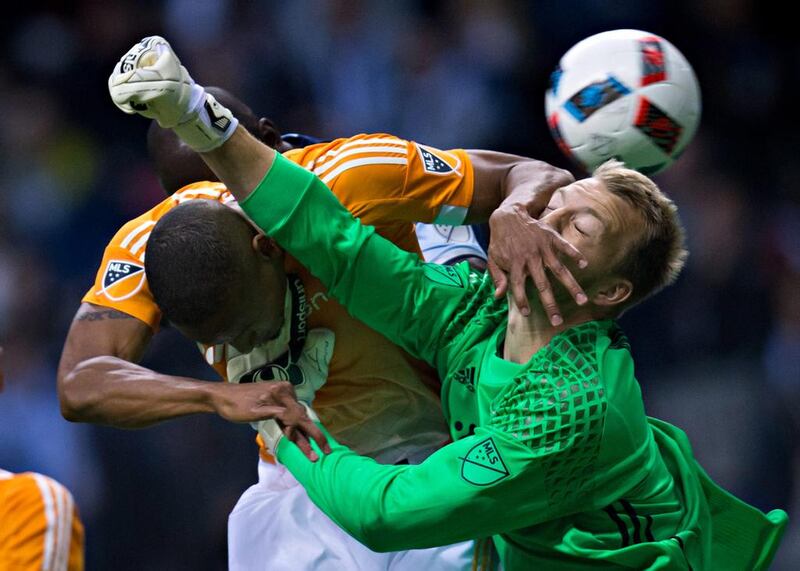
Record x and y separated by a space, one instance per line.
276 527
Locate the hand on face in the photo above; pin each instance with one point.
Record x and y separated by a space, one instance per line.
522 246
583 215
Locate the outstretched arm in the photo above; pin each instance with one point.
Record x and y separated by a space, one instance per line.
485 484
100 382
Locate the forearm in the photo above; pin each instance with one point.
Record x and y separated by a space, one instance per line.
530 185
112 391
240 163
506 181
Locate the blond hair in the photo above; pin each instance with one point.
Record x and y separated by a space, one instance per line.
654 260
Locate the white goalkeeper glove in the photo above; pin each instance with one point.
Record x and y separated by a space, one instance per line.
150 80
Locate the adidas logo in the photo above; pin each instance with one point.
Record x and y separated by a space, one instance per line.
467 378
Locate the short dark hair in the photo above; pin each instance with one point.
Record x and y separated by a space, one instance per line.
194 258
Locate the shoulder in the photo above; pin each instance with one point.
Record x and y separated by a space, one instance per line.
207 190
31 489
559 400
133 235
316 157
378 159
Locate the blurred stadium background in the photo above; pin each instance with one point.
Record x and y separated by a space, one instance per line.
718 354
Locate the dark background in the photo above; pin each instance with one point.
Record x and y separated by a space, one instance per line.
718 353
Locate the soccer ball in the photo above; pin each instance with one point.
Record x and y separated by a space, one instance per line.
626 94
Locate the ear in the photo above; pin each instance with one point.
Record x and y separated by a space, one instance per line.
267 247
613 293
268 133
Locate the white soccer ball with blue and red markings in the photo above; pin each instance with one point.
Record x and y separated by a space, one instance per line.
625 94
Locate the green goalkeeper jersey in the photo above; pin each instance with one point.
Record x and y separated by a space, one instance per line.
555 458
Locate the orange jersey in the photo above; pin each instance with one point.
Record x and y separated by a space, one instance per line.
39 525
378 399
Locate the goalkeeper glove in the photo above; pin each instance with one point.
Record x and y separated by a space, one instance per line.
150 80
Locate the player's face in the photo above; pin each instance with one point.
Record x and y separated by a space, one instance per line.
257 311
600 224
253 312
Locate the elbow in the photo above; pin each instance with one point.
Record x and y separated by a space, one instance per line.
381 537
378 541
67 398
385 542
71 395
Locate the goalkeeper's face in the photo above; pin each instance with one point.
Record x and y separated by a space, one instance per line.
604 227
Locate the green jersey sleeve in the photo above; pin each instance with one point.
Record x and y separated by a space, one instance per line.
485 484
414 304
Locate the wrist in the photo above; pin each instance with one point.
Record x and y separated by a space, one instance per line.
206 124
526 202
509 209
211 396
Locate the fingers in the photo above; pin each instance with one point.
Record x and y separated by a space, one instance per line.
297 436
282 393
562 273
498 277
536 270
312 430
571 251
299 427
517 282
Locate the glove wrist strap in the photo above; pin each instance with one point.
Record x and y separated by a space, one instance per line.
208 124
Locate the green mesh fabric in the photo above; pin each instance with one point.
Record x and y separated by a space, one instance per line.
557 408
481 312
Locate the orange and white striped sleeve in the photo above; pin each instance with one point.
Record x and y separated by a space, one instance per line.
383 179
120 282
39 525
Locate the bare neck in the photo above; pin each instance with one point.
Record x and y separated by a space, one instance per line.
526 335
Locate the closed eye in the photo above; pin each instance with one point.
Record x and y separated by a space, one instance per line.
579 230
